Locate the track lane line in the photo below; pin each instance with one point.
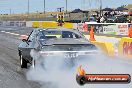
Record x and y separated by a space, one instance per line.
10 33
2 31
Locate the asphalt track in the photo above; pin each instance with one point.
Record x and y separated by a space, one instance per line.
10 74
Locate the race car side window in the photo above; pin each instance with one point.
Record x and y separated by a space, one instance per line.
41 36
67 34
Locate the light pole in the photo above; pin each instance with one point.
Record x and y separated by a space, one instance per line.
44 6
28 6
10 11
84 4
66 6
100 7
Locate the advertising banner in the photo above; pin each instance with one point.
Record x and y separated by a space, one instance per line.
110 29
80 27
125 47
98 28
122 29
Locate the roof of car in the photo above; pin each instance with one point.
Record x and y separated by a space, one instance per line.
62 29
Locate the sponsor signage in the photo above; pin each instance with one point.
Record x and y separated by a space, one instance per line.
110 29
127 48
80 27
122 29
103 79
83 78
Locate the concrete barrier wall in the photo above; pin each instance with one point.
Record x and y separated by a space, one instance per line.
13 23
125 47
50 24
29 23
35 24
107 48
68 25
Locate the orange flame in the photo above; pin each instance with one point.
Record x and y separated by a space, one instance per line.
81 71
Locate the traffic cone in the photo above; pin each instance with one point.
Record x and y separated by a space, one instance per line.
130 32
92 34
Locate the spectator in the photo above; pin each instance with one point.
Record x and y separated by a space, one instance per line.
105 19
60 22
102 19
98 19
106 14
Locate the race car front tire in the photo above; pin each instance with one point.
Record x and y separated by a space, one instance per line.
23 62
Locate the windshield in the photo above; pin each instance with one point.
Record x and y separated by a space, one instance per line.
48 34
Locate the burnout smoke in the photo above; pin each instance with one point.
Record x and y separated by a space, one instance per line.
55 73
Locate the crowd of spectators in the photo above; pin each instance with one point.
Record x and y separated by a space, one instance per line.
113 17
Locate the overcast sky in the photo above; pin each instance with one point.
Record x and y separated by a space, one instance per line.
20 6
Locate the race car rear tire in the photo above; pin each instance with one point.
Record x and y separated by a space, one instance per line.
23 62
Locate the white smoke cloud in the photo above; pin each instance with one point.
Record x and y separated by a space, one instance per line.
56 73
